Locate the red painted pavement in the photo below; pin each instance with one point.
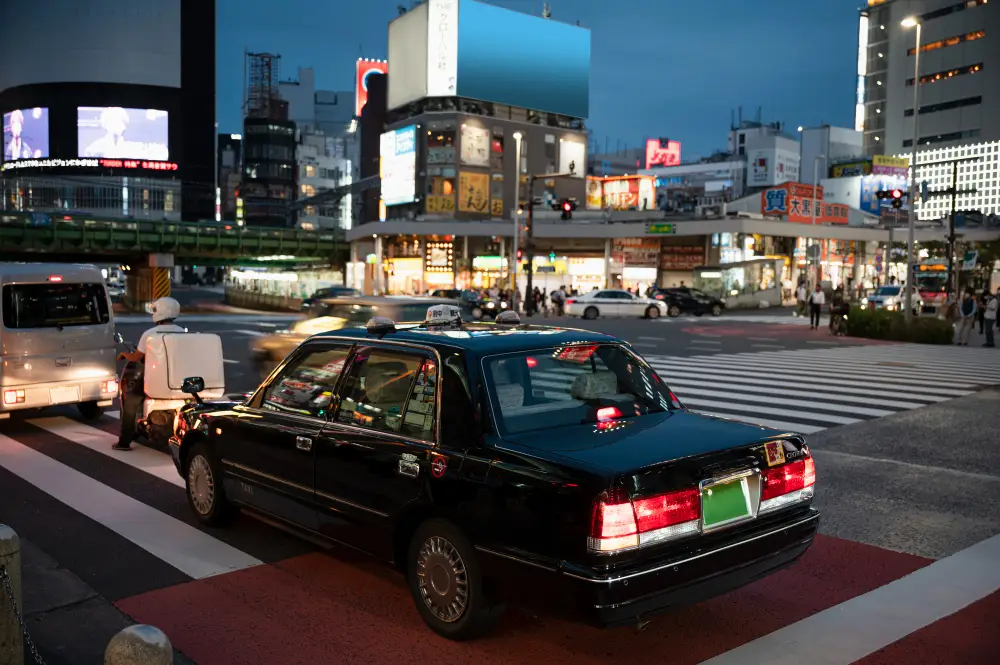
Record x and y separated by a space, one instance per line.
968 637
341 608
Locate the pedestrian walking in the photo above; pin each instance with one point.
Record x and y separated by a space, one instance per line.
967 311
816 301
990 316
984 298
800 300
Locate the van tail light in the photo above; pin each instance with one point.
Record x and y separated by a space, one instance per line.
620 524
12 397
787 484
110 386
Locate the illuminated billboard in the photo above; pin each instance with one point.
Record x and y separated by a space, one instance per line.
398 165
26 134
464 48
120 133
365 69
662 152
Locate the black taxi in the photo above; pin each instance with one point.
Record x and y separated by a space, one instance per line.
488 458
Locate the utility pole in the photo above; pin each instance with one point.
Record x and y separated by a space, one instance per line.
529 245
953 192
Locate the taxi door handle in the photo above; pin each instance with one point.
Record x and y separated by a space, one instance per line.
303 443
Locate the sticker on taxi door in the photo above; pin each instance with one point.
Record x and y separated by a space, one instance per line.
774 451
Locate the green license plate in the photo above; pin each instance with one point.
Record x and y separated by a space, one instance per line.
725 502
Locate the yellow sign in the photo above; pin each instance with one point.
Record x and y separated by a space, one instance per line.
439 203
893 162
496 207
473 192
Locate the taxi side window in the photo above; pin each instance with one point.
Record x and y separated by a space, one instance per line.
306 386
390 391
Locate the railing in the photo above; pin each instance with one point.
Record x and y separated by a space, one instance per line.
261 301
75 233
136 645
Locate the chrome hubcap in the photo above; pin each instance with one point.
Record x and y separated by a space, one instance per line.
442 579
201 485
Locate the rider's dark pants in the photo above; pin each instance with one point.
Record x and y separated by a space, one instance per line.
133 394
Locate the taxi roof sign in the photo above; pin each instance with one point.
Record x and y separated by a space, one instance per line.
443 315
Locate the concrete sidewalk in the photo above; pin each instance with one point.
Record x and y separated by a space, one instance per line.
67 620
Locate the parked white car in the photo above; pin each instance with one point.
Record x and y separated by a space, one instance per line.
614 303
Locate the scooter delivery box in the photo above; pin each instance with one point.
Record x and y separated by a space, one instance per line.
173 357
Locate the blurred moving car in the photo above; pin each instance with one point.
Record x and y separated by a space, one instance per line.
681 300
330 292
614 303
892 298
334 314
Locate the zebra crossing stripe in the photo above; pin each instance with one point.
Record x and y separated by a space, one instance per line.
184 547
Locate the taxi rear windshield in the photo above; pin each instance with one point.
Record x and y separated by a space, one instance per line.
572 385
53 305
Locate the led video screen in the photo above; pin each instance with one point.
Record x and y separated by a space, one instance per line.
120 133
26 134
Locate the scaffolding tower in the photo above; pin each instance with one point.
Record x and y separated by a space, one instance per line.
261 95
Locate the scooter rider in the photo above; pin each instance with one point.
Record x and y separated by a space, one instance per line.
164 311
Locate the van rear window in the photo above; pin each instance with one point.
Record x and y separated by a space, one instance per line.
54 305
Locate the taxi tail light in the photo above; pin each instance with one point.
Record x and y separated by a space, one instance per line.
608 413
11 397
570 301
110 386
620 524
787 484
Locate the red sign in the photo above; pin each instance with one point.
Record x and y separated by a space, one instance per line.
681 257
662 152
137 164
795 201
365 69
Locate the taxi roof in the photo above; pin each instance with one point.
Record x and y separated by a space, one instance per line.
481 338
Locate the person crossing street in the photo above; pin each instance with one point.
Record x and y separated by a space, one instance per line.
816 301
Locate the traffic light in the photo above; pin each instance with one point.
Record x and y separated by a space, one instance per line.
567 210
519 254
897 198
552 256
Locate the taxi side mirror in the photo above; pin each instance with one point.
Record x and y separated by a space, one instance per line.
193 385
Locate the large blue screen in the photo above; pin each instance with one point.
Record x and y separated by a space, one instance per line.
521 60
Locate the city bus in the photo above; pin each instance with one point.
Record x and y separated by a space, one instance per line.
931 279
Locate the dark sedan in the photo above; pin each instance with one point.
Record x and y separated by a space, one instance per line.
329 292
495 460
684 300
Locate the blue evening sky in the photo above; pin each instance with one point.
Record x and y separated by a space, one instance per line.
658 67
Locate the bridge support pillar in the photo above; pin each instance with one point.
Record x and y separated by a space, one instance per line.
146 284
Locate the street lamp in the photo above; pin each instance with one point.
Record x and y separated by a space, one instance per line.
814 205
912 22
517 202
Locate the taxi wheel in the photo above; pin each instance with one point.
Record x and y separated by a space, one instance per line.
447 583
590 313
89 410
653 312
716 310
205 492
674 311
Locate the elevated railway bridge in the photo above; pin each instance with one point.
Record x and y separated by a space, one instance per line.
153 247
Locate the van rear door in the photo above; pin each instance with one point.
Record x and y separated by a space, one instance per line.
55 332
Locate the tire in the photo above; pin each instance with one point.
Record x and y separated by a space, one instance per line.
590 313
674 311
716 310
477 313
89 410
653 312
208 502
439 549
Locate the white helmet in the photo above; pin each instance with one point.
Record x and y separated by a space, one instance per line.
163 309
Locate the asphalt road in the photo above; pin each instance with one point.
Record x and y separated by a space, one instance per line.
905 570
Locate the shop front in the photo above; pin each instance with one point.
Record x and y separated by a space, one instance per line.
439 265
634 263
488 272
677 263
584 274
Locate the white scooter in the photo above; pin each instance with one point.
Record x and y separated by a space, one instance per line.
175 363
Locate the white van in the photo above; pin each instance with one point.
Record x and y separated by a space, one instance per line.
57 342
